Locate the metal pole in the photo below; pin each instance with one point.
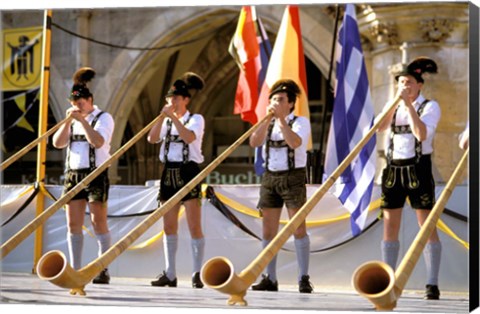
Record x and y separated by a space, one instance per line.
329 100
42 128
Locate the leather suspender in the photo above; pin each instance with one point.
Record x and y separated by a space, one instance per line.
82 138
280 144
176 139
405 129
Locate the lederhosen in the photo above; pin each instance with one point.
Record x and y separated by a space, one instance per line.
97 189
177 173
279 187
407 177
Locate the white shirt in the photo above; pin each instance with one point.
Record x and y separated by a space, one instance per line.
79 151
175 151
278 160
404 144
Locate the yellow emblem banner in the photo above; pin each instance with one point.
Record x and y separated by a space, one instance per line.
22 58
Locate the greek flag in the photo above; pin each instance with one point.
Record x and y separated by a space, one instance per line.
352 118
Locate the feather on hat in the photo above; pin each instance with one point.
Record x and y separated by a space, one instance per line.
80 79
186 85
418 67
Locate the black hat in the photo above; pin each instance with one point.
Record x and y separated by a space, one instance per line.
417 67
80 80
285 85
186 85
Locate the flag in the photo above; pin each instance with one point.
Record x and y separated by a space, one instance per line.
287 61
352 118
22 122
251 50
22 58
20 100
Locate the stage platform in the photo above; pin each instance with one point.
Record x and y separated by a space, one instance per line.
124 293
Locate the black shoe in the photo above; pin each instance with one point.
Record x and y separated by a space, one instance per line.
196 281
432 292
304 285
162 281
266 284
102 278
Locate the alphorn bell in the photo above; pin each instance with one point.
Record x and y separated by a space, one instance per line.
40 219
218 272
34 143
377 281
54 267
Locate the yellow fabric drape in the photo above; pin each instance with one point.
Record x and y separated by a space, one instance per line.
373 206
28 190
316 223
155 238
444 228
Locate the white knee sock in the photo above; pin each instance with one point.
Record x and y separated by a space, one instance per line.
432 255
272 266
75 248
302 247
170 243
198 249
104 242
390 251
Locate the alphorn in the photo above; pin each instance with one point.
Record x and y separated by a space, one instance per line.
218 272
12 243
34 143
377 281
54 267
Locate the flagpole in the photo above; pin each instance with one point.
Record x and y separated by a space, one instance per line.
329 99
261 29
42 128
258 159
